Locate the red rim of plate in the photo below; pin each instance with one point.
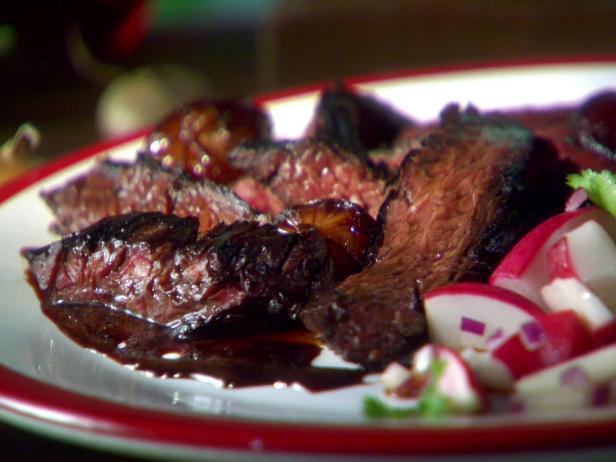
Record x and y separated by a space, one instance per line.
52 406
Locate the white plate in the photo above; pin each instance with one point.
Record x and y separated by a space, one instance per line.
50 384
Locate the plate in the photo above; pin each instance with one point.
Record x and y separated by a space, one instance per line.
50 385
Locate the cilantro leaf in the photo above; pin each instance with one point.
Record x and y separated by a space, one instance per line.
600 187
432 402
377 409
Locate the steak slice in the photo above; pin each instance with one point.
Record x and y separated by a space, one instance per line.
301 171
116 188
390 158
258 195
155 266
462 200
557 126
358 122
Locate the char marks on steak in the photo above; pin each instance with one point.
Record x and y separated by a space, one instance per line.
197 137
475 186
352 236
301 171
238 276
258 195
357 122
391 158
114 188
558 126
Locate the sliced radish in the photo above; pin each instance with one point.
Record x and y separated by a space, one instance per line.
588 380
587 253
605 334
472 315
458 383
571 294
598 366
576 200
394 376
562 399
492 373
556 338
525 268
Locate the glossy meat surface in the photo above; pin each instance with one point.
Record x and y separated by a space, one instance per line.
198 137
115 188
356 121
158 268
462 200
301 171
352 236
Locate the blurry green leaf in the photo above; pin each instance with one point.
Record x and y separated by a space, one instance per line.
600 187
431 403
8 39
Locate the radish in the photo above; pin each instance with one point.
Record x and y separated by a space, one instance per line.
576 200
582 381
394 376
492 373
599 365
457 383
605 334
572 294
525 268
480 316
554 339
588 254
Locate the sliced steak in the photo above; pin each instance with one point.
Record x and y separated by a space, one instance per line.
463 199
392 157
258 195
358 122
557 125
198 136
302 171
243 275
115 188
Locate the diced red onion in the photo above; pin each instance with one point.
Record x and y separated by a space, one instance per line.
575 377
532 335
473 326
576 199
601 395
495 339
517 405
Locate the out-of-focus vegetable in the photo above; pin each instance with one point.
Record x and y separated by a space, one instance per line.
143 96
600 187
26 139
595 124
431 403
525 269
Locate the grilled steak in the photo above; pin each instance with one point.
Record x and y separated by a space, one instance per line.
357 122
156 267
462 200
558 127
115 188
390 158
302 171
197 137
258 195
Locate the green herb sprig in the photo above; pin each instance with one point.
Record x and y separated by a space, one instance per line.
599 186
431 403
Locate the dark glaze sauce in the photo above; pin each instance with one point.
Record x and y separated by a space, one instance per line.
237 361
286 356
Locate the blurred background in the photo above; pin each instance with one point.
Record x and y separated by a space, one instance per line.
80 71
